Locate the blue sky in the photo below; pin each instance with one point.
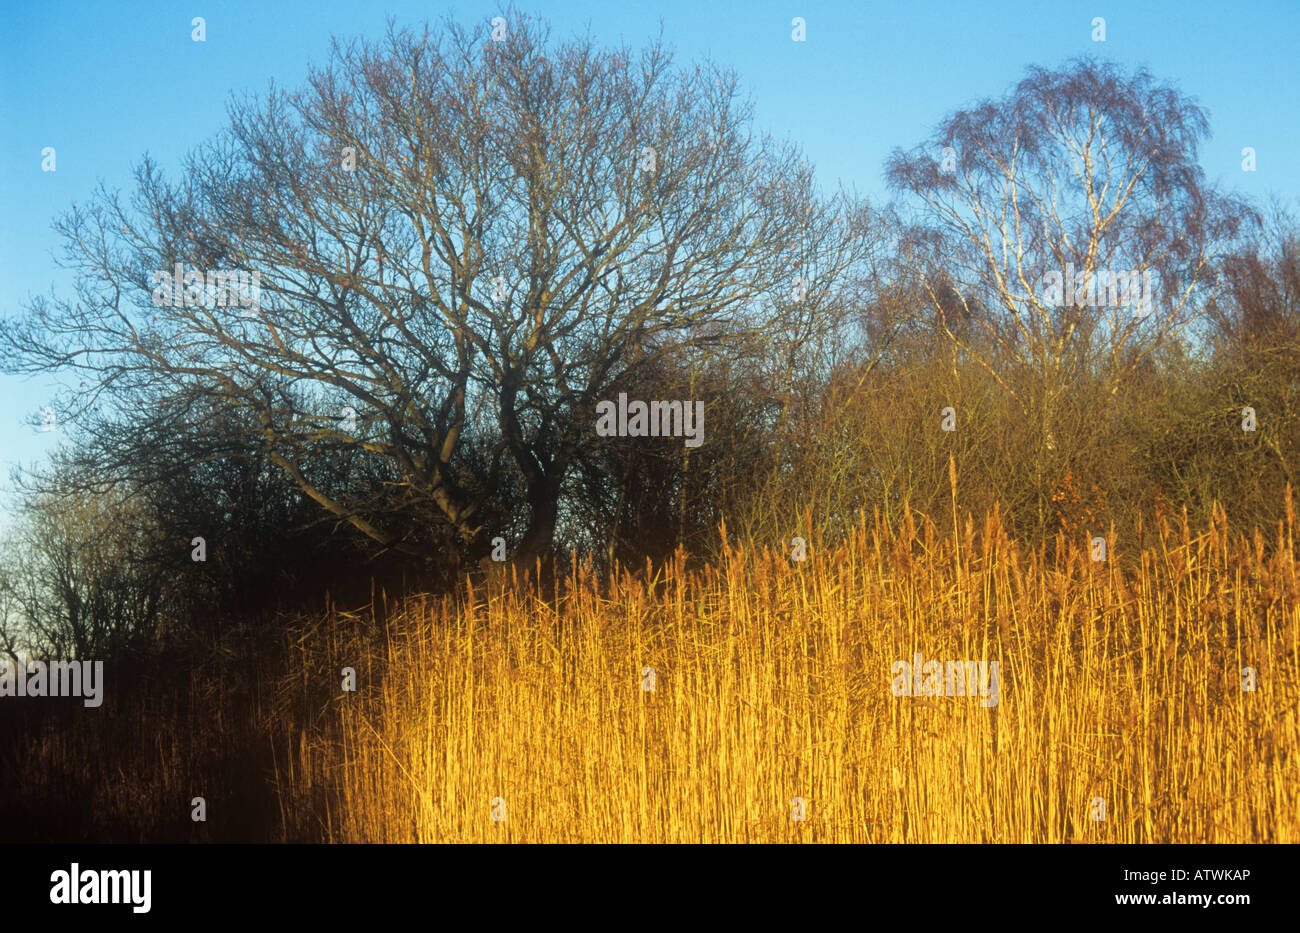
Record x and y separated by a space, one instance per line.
103 86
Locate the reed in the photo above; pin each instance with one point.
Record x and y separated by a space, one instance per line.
1121 681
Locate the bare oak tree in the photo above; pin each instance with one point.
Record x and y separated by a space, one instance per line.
462 239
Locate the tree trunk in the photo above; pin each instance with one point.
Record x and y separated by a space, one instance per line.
539 539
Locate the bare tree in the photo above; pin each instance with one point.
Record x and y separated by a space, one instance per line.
1258 309
76 580
461 238
1071 225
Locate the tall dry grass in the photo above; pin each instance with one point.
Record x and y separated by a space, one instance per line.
1119 680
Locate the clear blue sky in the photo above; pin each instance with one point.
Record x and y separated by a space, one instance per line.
105 82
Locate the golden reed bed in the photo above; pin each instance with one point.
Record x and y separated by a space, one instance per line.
510 718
